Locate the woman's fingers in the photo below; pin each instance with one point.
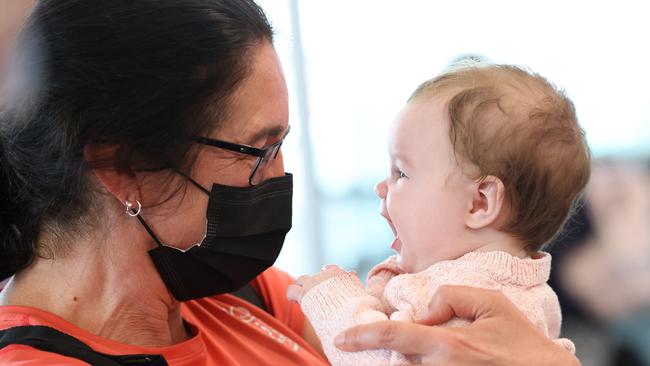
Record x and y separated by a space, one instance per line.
499 335
464 302
398 336
448 302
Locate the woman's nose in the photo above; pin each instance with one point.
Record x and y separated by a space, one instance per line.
380 189
275 167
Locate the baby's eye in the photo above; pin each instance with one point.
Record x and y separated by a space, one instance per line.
398 174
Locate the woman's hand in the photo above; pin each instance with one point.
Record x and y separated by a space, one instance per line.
304 283
499 335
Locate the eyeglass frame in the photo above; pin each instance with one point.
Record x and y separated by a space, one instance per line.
260 153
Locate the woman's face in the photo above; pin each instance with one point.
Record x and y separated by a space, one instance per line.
258 117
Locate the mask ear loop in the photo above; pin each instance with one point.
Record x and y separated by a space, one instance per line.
133 212
197 185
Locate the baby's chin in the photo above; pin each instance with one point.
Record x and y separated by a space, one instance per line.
411 266
405 265
399 262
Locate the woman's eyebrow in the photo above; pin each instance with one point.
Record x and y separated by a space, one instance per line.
268 131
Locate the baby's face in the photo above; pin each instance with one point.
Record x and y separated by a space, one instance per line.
426 198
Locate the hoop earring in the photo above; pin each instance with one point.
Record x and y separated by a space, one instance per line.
130 210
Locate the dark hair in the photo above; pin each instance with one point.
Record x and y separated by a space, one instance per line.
514 124
142 75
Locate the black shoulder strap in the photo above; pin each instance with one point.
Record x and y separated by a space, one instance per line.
51 340
251 295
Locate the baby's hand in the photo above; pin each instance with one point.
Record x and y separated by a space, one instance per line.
303 284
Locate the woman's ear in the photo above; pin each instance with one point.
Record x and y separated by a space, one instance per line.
121 183
487 202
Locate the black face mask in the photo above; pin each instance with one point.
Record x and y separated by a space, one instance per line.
246 227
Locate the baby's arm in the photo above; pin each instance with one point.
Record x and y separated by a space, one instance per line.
335 300
379 276
410 294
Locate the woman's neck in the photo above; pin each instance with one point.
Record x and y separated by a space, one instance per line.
112 291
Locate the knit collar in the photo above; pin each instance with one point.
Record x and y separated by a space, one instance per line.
504 267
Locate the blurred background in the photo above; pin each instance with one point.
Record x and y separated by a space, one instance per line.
351 65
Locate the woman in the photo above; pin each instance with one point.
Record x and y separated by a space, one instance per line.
142 182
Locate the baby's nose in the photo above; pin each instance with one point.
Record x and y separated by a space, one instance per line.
380 189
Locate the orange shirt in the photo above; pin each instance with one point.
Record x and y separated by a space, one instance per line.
228 331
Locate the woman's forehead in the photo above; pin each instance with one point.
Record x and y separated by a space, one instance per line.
259 107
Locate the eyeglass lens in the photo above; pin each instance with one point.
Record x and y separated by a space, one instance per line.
270 154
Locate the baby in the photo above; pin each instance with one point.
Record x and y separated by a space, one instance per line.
487 162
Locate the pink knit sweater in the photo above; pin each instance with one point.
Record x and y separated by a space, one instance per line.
342 302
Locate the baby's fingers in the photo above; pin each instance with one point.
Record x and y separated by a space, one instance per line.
295 293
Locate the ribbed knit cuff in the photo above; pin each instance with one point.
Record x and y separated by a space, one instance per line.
328 297
387 268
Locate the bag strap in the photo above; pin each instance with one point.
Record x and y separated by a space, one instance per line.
51 340
251 295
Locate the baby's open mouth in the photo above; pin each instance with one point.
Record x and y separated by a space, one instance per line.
396 243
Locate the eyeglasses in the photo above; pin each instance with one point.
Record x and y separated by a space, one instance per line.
264 155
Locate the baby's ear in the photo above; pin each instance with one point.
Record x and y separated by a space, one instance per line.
488 195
